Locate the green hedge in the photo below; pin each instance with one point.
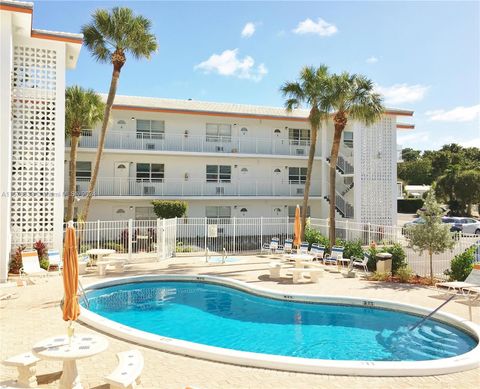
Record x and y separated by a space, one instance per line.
461 265
409 205
168 209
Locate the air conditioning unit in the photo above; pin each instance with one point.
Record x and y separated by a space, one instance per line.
300 191
300 151
220 190
148 190
219 148
150 146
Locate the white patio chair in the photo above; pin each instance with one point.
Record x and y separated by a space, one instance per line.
317 251
357 262
31 266
54 259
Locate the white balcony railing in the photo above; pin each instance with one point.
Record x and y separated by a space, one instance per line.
195 143
112 186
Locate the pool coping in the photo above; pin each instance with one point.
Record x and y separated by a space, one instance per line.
467 361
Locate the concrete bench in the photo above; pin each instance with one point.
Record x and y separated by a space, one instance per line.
315 274
119 266
127 373
27 369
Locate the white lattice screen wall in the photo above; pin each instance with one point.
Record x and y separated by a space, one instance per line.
376 172
33 144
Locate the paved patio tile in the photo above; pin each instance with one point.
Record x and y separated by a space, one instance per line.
35 314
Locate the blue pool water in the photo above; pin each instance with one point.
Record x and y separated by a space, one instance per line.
225 317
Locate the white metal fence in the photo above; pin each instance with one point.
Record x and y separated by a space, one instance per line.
163 238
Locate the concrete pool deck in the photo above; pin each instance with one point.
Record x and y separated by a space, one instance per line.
35 315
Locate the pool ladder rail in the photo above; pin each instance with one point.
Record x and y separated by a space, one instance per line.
82 293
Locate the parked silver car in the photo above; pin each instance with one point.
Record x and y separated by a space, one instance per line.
466 225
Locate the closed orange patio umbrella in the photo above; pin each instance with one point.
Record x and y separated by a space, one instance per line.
71 309
297 228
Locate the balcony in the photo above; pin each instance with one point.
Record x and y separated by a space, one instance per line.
117 140
399 153
111 186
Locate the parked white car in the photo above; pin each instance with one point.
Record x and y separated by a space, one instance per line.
467 225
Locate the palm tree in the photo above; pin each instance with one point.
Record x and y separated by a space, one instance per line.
83 109
109 37
349 96
308 91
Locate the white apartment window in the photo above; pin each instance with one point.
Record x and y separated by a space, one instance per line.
219 173
291 211
84 169
214 212
150 172
219 132
299 136
348 139
150 129
297 175
144 213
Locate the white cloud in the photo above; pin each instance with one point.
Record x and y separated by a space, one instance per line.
457 114
371 59
475 142
402 93
228 64
322 28
248 30
412 138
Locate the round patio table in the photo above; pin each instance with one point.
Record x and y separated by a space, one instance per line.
59 348
299 258
100 253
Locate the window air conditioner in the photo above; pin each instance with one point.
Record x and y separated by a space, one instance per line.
148 190
220 190
219 148
150 146
300 191
300 151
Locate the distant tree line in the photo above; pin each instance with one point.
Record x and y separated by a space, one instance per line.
453 170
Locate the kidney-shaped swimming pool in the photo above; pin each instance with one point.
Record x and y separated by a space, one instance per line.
220 316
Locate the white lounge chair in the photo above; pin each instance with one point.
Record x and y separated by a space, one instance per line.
304 248
288 246
461 287
31 266
317 251
54 259
335 256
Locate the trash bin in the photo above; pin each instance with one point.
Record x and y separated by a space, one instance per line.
384 262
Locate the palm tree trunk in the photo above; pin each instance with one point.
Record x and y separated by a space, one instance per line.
306 192
333 175
72 177
108 108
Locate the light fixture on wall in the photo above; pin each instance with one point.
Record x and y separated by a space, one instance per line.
130 207
187 176
133 117
243 211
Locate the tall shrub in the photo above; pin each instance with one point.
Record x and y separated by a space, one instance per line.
461 265
167 209
42 253
16 261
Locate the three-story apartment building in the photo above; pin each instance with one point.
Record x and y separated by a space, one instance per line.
232 160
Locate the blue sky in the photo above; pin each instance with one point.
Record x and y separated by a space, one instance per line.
423 56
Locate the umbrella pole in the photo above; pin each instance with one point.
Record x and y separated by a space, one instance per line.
70 332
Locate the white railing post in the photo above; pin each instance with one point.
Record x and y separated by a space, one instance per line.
175 236
98 234
346 229
369 236
205 230
234 233
261 233
158 237
130 243
164 251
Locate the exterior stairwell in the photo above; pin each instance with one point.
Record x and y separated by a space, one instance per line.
342 206
344 166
